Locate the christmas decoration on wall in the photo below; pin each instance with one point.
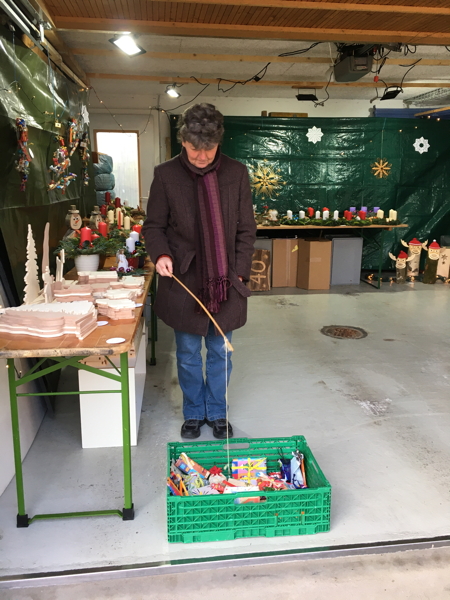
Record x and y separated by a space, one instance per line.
431 264
400 265
31 270
414 251
61 162
25 155
265 179
381 168
314 134
85 156
421 145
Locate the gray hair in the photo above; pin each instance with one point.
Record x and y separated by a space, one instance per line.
201 125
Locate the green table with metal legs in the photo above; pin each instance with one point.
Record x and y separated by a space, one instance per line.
54 355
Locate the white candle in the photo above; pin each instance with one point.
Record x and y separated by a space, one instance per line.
301 214
289 214
111 216
326 214
127 223
392 215
134 235
317 214
380 214
336 215
130 244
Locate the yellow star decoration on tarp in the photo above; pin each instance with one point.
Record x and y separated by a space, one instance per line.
381 168
265 179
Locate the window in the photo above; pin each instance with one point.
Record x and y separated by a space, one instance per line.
123 147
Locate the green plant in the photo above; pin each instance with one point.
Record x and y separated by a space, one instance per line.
72 248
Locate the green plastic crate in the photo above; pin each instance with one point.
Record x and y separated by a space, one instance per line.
216 518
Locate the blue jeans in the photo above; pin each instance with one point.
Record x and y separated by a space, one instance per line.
203 398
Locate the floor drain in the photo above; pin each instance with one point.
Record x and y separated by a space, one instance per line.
342 332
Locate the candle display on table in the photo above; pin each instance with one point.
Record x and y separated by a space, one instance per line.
301 214
103 229
117 203
380 214
289 214
310 212
103 210
137 228
85 235
326 214
362 214
318 214
336 215
130 244
134 235
127 222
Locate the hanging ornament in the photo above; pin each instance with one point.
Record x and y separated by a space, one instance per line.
421 145
314 134
61 162
24 153
265 179
83 147
381 168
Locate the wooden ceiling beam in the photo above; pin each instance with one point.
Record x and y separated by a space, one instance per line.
264 82
430 62
330 6
224 30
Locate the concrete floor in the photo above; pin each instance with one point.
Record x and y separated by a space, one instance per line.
375 413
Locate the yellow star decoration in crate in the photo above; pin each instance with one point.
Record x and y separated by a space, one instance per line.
381 168
265 179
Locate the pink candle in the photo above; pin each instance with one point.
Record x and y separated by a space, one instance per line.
310 212
362 214
85 235
117 202
137 228
103 229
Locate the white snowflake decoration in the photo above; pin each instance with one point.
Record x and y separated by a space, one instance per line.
85 115
421 145
314 134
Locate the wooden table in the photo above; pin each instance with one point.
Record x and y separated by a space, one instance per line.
66 351
359 229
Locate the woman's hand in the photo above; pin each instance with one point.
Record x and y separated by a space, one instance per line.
164 266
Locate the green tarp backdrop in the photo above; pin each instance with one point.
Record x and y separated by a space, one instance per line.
289 172
39 93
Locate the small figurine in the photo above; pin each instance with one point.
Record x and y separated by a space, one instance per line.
400 265
273 214
122 262
431 263
96 218
73 222
414 250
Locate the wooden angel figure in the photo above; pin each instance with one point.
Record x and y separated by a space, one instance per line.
431 263
414 249
400 265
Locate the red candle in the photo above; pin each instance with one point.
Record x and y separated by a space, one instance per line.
362 214
117 203
107 197
103 229
103 210
95 236
310 212
86 235
137 228
348 215
119 218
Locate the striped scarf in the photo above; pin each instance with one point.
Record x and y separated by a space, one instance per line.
210 244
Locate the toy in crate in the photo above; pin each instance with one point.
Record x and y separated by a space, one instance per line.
273 487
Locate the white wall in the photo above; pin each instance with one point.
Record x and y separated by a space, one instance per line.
148 142
31 413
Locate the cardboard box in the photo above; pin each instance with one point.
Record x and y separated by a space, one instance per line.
314 264
284 263
260 271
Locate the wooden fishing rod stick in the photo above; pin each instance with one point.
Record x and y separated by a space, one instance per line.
227 341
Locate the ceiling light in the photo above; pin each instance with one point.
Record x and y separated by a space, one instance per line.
127 44
306 97
172 92
391 93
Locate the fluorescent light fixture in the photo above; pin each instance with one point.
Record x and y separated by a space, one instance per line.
172 92
306 97
127 44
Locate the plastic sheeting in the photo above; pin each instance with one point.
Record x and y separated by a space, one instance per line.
289 172
35 91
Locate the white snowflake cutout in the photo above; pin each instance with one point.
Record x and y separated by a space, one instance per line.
85 115
314 134
421 145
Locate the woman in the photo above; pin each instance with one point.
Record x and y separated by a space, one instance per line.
200 227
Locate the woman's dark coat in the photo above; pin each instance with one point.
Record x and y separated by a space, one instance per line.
169 229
